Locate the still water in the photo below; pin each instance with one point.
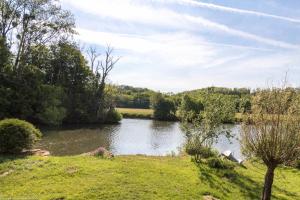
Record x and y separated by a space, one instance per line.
131 136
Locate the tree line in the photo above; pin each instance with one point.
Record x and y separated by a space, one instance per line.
44 75
170 106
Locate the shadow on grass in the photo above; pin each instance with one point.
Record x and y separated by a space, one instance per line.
293 195
7 157
224 180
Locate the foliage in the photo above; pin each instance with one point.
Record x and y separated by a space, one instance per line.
33 23
16 135
113 116
219 90
219 163
221 105
5 55
131 97
163 108
44 77
298 164
194 148
245 104
189 108
52 111
89 177
206 128
69 70
274 133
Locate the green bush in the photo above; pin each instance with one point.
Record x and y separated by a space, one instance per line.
203 152
298 164
16 135
219 163
163 108
113 116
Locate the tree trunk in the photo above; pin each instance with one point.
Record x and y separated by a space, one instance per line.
267 191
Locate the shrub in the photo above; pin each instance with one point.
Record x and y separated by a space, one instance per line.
298 164
194 148
163 108
203 152
219 163
16 135
189 108
101 152
113 116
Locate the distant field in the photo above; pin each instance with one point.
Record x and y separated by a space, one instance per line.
148 113
136 113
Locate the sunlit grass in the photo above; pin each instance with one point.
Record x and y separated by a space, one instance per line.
136 113
136 177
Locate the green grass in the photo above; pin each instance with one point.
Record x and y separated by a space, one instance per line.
136 113
136 177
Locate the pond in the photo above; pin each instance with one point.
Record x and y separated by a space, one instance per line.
130 137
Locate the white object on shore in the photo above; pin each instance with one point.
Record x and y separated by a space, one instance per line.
229 155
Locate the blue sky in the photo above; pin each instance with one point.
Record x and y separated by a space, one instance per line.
176 45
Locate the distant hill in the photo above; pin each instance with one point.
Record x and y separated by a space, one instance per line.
136 97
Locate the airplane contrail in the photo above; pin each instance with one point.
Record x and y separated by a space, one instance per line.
233 10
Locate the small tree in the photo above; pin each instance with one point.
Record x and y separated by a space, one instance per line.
206 128
189 108
272 131
163 108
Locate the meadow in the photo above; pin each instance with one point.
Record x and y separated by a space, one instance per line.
136 177
136 113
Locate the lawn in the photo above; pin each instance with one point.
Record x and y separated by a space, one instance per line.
136 177
136 113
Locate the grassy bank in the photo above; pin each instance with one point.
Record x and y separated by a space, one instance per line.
136 177
136 113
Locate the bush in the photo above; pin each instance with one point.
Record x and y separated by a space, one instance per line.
163 108
298 164
16 135
203 152
189 108
113 116
101 152
219 163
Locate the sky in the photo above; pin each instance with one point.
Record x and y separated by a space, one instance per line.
177 45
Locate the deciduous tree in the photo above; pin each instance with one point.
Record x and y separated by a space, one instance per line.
272 131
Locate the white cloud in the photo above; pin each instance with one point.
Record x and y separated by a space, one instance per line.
181 61
177 50
129 11
182 58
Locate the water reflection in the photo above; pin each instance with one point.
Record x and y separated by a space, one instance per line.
166 137
132 136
